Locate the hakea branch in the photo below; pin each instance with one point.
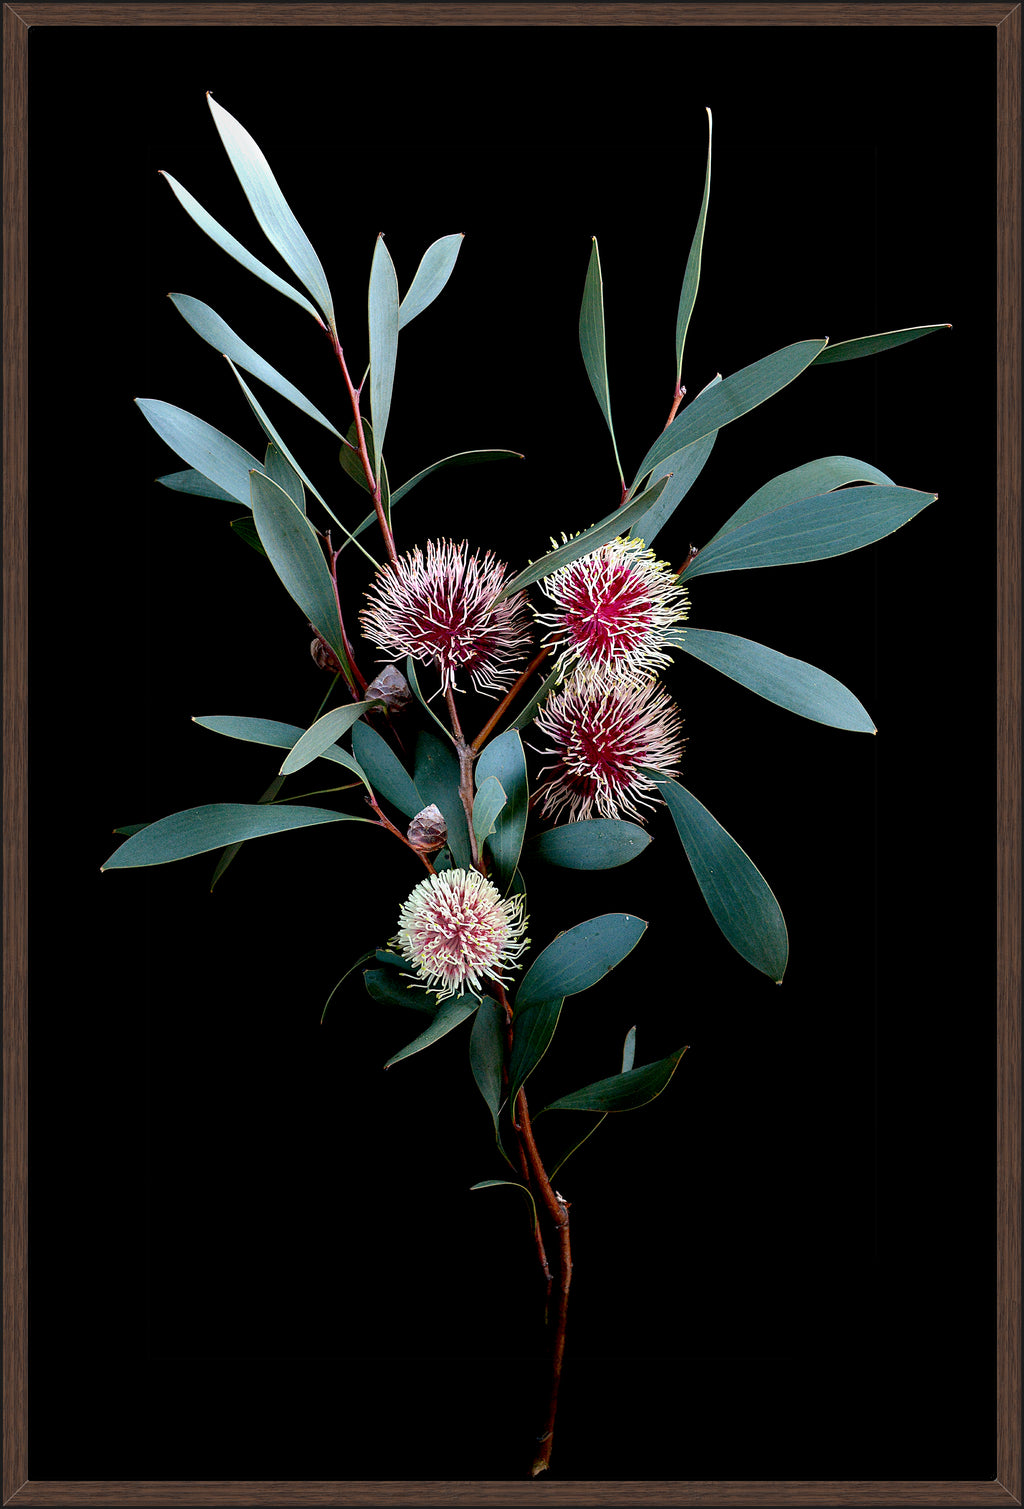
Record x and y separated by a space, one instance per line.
371 481
521 1158
509 697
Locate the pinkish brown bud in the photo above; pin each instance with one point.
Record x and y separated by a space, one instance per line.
390 687
428 830
323 655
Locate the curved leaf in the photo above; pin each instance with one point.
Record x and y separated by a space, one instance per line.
547 686
592 341
734 396
598 843
323 733
196 485
509 1184
393 988
793 684
217 333
200 829
808 481
280 470
487 1057
383 321
490 799
534 1028
460 458
437 779
504 760
812 530
412 676
386 772
352 967
622 1092
276 735
271 209
579 957
867 345
227 242
683 468
738 896
691 277
212 454
432 274
450 1014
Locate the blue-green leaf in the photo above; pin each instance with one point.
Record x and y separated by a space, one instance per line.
628 1051
738 896
622 1092
720 403
489 800
295 554
352 967
394 989
227 242
432 274
460 458
503 760
583 1125
412 676
812 530
545 689
790 683
867 345
386 772
807 481
450 1014
280 470
598 843
486 1057
534 1028
196 485
383 320
610 528
271 209
683 467
510 1184
437 779
323 733
579 957
200 829
276 735
592 341
212 454
246 530
691 277
218 334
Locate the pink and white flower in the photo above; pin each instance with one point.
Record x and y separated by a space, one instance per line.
603 733
457 930
440 608
612 609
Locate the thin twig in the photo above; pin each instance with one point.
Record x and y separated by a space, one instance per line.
509 697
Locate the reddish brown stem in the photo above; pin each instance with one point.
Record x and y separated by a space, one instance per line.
467 759
680 394
385 822
524 1167
509 697
372 484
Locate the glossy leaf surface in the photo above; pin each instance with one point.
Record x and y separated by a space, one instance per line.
212 454
503 759
430 277
598 843
200 829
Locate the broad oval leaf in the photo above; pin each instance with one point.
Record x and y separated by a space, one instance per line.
383 322
503 759
867 345
212 454
323 733
691 277
196 485
598 843
487 804
622 1092
272 211
738 896
227 242
450 1014
437 779
814 529
807 481
792 684
579 957
200 829
386 772
592 341
734 396
432 274
218 333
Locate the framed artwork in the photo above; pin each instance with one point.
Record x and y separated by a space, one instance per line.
244 1264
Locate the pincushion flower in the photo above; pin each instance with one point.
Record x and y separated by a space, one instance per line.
440 608
457 930
604 732
612 609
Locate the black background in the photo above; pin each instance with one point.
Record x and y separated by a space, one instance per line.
253 1253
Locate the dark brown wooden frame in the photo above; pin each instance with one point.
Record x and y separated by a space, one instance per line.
1006 1486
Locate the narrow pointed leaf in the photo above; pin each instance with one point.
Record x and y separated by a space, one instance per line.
460 458
450 1014
545 689
719 404
196 485
280 470
351 970
628 1051
383 321
583 1125
276 736
412 676
867 345
217 458
793 684
622 1092
231 853
683 467
504 760
812 530
617 523
592 341
386 772
738 896
394 989
200 829
246 530
808 481
535 1027
227 242
486 1058
323 733
432 274
437 779
295 554
489 800
511 1184
691 277
271 209
598 843
217 333
579 957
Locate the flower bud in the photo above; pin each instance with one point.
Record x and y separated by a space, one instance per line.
428 830
390 687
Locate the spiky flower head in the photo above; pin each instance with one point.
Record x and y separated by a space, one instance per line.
440 608
612 609
604 732
457 930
